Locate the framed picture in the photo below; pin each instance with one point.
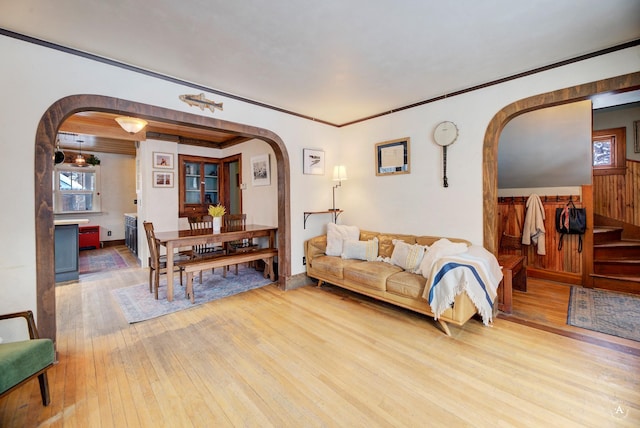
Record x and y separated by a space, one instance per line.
163 160
260 170
162 179
392 157
636 133
312 162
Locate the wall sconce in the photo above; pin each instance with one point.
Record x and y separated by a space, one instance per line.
339 174
132 125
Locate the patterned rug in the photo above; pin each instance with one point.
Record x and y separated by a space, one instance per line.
100 260
138 304
608 312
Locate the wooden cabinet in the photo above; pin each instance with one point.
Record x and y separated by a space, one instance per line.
200 184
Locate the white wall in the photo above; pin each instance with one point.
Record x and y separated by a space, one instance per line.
34 77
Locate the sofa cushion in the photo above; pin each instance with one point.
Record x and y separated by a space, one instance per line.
331 265
406 284
360 250
337 234
370 274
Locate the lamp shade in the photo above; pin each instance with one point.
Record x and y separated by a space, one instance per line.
131 124
339 173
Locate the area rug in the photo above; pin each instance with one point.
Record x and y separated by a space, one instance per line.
608 312
138 304
100 260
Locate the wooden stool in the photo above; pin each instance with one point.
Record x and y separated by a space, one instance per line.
515 278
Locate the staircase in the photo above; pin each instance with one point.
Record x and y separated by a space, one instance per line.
616 261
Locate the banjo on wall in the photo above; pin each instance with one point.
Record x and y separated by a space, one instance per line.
445 134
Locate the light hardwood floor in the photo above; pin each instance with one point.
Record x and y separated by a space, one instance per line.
315 357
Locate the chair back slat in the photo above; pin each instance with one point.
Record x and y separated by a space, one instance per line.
154 251
203 223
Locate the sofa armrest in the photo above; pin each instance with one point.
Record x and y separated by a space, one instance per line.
315 247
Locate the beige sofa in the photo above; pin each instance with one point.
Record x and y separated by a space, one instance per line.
381 280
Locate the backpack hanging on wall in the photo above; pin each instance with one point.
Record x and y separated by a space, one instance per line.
571 221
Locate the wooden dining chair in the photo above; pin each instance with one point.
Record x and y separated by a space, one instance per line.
204 223
237 222
158 263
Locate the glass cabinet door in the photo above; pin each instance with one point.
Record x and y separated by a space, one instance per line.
211 183
192 183
199 184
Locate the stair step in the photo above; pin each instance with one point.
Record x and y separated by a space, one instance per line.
624 284
617 267
603 234
623 249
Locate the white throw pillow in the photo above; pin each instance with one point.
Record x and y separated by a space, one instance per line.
360 250
407 256
336 234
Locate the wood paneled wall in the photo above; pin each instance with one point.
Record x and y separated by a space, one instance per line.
614 196
567 260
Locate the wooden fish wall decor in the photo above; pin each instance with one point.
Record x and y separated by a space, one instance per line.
201 101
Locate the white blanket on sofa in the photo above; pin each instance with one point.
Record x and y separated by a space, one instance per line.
475 271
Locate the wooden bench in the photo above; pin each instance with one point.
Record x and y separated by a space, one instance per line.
515 278
198 265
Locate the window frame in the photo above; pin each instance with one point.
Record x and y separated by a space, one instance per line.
59 193
617 137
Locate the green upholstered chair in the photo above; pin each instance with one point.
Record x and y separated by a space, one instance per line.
23 360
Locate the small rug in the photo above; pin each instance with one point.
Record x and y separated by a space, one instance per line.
100 260
137 304
608 312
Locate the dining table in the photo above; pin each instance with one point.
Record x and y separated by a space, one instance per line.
177 239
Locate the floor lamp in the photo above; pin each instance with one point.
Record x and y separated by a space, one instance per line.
339 174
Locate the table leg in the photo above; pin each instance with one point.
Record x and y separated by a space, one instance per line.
169 271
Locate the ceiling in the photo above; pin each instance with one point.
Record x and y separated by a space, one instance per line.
333 60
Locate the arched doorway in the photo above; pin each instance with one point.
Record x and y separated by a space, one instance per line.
622 83
44 149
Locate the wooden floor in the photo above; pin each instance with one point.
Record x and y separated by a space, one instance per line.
318 357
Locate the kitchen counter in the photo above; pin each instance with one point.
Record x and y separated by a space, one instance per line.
66 221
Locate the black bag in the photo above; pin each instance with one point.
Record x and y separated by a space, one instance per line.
571 221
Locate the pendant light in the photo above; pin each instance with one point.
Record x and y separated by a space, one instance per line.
80 160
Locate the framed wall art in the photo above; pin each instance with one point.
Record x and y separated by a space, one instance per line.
162 179
312 162
260 170
163 160
392 157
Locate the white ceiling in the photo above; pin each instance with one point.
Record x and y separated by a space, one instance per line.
333 60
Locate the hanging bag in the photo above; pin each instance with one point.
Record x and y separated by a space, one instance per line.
511 238
571 221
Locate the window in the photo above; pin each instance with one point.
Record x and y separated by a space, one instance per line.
609 151
76 189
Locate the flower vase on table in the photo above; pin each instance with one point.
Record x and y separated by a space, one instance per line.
217 211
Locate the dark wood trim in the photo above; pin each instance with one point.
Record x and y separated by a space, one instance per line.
43 171
97 58
576 336
626 82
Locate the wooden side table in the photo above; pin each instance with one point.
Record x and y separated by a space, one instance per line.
515 277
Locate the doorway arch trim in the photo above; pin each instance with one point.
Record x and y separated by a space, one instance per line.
46 133
582 92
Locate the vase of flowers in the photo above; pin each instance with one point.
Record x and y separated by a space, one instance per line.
216 212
